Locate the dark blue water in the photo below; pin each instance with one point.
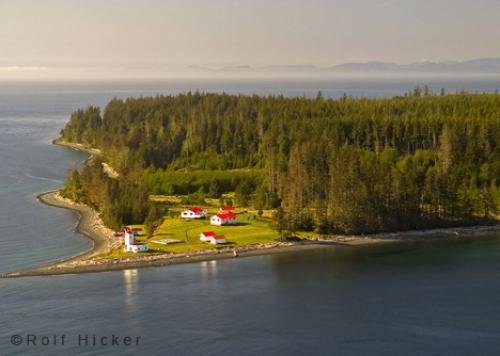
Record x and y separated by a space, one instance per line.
427 298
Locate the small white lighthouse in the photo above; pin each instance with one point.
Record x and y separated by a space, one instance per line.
130 244
129 237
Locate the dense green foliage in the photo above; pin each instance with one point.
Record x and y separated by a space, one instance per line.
210 182
349 165
120 201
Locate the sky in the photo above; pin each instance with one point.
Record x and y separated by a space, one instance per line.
56 37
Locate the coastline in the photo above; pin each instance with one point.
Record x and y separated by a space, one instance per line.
77 147
90 225
103 241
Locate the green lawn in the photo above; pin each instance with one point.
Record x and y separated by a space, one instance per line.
248 231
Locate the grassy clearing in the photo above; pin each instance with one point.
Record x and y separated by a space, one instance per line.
168 199
249 231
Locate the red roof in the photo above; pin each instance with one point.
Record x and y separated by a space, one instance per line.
209 233
227 208
196 209
219 237
227 216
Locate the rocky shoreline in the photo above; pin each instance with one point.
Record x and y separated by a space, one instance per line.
81 265
89 224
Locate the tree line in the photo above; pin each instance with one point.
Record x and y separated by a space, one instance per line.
347 165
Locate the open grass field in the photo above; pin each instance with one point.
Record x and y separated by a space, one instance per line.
249 231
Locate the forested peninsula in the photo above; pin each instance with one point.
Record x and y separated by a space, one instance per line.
348 166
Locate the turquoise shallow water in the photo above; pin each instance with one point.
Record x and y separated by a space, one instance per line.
437 298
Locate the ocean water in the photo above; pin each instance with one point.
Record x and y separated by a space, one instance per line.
425 298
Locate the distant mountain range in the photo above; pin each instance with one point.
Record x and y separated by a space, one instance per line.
475 66
482 65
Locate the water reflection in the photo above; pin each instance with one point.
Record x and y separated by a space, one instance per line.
131 279
208 273
208 269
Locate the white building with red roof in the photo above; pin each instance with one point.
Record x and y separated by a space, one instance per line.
212 237
194 213
128 236
206 235
219 239
223 219
130 244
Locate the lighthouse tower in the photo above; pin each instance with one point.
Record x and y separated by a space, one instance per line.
129 238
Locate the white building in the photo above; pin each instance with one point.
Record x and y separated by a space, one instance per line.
223 219
215 240
212 237
205 236
137 247
131 245
129 237
193 213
